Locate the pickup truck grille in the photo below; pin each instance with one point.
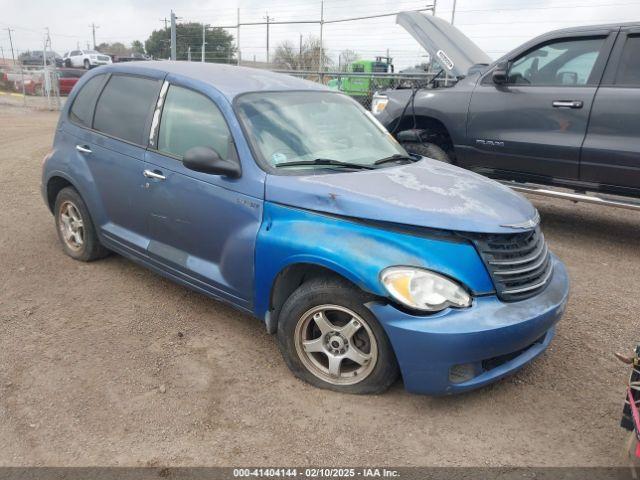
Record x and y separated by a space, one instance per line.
103 58
519 263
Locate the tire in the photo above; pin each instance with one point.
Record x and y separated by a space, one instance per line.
38 92
87 64
81 242
429 150
341 339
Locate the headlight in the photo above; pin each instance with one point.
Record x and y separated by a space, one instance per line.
423 290
378 104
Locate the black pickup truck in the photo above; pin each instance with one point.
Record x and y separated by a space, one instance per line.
562 110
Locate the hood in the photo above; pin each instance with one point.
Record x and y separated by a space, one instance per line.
447 45
428 193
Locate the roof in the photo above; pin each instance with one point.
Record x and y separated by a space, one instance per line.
604 26
230 80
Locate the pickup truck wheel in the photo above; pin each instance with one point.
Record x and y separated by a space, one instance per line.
331 340
87 65
429 150
75 227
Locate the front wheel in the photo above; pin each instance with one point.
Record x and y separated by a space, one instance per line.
429 150
87 65
331 340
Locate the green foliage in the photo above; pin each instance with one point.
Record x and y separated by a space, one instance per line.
115 48
137 46
219 43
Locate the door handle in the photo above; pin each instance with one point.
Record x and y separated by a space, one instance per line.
152 174
83 149
567 103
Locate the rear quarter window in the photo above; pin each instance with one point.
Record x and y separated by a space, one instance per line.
82 109
125 107
629 70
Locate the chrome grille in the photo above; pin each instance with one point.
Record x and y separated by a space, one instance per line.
519 263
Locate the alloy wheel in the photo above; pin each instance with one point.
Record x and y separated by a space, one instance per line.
71 226
336 344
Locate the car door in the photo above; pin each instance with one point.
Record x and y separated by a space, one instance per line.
535 123
202 226
114 150
611 150
73 58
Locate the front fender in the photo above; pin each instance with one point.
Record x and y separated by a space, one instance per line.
355 250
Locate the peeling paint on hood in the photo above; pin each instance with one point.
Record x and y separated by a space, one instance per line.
428 193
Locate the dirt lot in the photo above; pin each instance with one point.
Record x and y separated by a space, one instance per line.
93 370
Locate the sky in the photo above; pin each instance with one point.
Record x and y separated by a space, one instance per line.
497 26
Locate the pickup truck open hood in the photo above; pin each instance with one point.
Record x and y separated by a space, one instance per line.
428 193
447 45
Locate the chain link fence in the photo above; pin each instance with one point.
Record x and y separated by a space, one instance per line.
34 86
47 88
363 86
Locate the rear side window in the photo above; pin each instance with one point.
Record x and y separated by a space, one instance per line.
190 119
629 69
125 106
82 108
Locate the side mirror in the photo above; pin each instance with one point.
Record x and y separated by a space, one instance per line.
207 160
568 78
500 74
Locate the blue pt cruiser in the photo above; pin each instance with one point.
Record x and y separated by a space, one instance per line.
292 203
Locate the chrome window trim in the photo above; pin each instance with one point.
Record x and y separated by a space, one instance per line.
155 123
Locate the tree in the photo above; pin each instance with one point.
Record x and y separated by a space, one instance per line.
115 48
137 47
305 58
219 43
347 57
287 56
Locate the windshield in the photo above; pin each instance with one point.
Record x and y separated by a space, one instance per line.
290 127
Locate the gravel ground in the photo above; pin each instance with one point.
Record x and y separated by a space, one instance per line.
109 364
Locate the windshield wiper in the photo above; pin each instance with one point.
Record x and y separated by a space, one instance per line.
395 158
325 161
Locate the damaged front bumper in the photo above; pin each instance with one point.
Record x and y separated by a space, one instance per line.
458 350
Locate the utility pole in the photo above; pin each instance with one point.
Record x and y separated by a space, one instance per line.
46 84
93 33
11 43
203 42
268 19
173 36
2 52
453 12
238 37
166 22
321 59
433 7
188 53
